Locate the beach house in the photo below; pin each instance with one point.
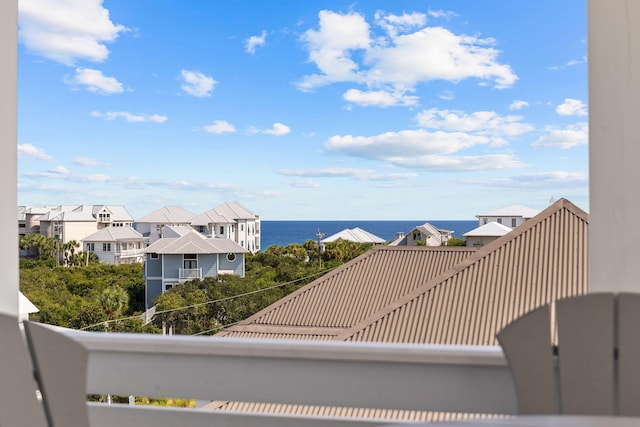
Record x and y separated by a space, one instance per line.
424 235
116 245
184 254
152 225
230 221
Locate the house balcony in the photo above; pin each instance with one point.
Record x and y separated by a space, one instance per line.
405 377
130 253
189 273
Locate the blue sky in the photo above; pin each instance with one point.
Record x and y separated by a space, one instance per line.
303 110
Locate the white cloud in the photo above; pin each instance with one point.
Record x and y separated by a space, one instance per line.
572 107
85 161
553 179
67 30
568 137
360 174
330 47
61 170
95 81
220 126
441 14
379 98
480 122
422 149
197 84
394 24
346 49
30 150
129 117
518 104
278 129
255 41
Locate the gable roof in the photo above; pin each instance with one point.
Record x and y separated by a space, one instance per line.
168 215
349 294
114 234
490 229
357 235
193 242
513 210
436 294
84 213
226 213
543 260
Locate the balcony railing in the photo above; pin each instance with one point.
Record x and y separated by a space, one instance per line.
130 253
189 273
469 379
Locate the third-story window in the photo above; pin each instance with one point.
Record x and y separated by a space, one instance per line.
106 247
221 230
91 247
513 222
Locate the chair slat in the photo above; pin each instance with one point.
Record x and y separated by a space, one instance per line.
61 364
526 343
586 354
629 354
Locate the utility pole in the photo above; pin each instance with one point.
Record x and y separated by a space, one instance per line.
319 235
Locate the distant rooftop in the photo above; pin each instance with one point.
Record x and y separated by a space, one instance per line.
512 210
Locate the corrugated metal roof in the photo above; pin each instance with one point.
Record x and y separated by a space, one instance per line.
114 234
357 235
226 213
346 296
542 260
490 229
193 243
382 415
168 215
513 210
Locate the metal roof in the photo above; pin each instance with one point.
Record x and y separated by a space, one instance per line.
381 415
168 215
543 260
357 235
490 229
344 297
114 234
447 295
513 210
194 243
84 213
226 213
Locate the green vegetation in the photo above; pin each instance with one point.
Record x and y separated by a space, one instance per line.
104 297
454 241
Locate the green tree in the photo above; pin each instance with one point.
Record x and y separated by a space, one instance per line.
454 241
113 301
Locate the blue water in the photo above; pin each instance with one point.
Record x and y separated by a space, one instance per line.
283 233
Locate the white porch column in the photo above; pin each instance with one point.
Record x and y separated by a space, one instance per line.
9 283
614 145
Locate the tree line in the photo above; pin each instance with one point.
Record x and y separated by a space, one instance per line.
73 292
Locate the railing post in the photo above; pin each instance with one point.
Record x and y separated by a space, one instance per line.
9 285
614 151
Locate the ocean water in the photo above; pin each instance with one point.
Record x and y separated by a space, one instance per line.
283 233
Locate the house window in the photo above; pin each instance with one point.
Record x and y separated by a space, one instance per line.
231 256
241 227
106 247
221 230
190 261
91 247
153 256
499 220
513 222
484 220
167 286
104 217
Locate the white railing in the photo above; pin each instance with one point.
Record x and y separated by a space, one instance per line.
189 273
130 252
387 376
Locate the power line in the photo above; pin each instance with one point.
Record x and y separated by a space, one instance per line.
106 322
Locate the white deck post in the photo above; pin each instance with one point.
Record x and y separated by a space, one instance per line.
614 145
9 284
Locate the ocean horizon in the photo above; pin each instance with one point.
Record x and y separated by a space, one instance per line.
283 233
